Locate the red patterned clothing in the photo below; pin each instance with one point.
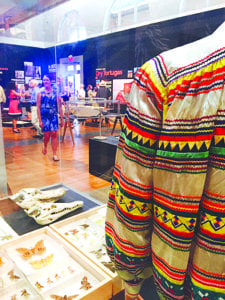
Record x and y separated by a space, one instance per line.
13 105
167 201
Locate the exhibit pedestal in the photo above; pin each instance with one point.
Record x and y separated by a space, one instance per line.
102 153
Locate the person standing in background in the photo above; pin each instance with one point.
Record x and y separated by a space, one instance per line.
33 102
2 95
48 107
103 91
81 94
95 92
71 89
90 92
14 110
27 98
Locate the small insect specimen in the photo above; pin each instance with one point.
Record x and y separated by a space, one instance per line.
98 253
39 286
37 264
26 253
109 265
85 226
57 277
74 231
49 281
6 237
65 297
1 262
85 284
12 275
25 293
39 247
70 269
85 234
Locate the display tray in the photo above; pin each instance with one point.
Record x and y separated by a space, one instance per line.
21 223
86 232
51 268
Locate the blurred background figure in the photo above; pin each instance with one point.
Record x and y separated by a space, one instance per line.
14 110
103 91
33 101
90 92
26 102
48 107
81 93
2 95
95 92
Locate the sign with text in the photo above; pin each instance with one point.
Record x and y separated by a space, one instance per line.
103 74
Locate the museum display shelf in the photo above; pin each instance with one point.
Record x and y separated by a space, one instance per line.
86 232
43 265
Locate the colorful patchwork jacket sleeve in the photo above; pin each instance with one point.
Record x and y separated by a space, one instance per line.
167 200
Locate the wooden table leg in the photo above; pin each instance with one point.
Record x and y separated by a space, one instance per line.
64 131
114 125
121 125
71 131
68 124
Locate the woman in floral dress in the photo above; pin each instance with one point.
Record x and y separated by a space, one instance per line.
48 106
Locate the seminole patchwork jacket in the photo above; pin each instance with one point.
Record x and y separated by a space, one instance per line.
166 207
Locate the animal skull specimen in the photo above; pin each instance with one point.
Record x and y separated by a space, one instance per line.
39 204
45 213
26 198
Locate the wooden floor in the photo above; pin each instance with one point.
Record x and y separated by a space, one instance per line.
26 166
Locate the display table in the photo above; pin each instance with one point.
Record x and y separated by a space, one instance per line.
21 223
102 153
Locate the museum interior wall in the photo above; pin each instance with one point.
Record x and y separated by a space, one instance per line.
123 50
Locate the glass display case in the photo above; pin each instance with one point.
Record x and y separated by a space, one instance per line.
83 46
97 111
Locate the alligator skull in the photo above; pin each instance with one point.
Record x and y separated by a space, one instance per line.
45 213
29 196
